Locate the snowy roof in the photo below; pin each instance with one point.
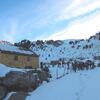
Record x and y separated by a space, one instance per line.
6 48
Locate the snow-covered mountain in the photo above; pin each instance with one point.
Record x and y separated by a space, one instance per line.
65 84
51 50
55 50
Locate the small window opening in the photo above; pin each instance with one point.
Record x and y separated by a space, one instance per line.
28 59
16 58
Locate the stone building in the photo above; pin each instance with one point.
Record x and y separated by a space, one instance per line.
18 57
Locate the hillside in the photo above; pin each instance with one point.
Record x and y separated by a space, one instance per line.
54 50
73 65
50 50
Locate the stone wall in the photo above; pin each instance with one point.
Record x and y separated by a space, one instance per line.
8 59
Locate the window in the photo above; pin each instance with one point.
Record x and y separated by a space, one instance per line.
16 58
28 59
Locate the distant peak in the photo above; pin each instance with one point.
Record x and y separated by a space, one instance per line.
5 42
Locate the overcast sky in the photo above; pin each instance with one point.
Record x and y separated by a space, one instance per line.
48 19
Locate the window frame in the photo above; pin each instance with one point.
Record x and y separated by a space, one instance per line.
29 59
15 58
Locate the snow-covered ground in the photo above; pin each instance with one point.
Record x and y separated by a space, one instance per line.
5 69
80 85
8 95
83 85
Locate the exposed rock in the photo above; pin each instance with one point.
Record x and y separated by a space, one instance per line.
17 81
56 43
1 80
96 57
98 64
2 92
24 81
44 76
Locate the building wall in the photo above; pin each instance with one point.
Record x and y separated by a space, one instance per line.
8 59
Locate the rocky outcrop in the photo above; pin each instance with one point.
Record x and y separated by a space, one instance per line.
2 92
17 81
21 81
43 76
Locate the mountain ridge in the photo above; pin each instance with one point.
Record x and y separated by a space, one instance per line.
50 50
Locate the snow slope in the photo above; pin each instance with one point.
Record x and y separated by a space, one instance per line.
83 85
9 95
65 51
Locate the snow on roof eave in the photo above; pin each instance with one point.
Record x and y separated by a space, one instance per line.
19 53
